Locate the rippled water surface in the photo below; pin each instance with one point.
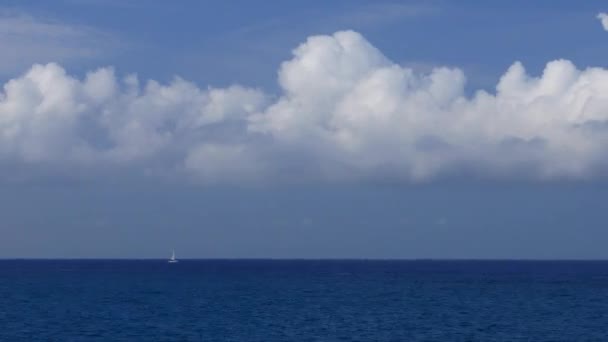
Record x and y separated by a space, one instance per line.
258 300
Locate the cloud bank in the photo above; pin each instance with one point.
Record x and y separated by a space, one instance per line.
345 112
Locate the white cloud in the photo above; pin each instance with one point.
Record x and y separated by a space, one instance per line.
371 116
345 112
47 116
603 17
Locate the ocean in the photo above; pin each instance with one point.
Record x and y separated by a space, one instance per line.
298 300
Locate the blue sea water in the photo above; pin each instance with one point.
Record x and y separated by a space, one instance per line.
272 300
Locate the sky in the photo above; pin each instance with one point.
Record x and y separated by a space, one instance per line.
349 129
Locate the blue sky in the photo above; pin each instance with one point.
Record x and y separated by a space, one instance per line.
349 129
219 43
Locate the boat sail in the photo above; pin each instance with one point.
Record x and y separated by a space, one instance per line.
172 260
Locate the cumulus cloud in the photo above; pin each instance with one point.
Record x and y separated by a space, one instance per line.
603 17
345 112
48 116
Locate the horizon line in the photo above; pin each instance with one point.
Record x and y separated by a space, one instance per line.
297 259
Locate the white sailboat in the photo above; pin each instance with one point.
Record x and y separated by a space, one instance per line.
173 260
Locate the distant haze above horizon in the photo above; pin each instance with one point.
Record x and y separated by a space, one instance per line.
355 129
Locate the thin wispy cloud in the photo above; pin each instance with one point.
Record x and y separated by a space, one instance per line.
26 39
603 17
379 14
111 3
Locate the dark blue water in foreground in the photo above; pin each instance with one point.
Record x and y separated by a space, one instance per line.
303 301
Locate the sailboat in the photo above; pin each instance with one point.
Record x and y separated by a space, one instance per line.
172 260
